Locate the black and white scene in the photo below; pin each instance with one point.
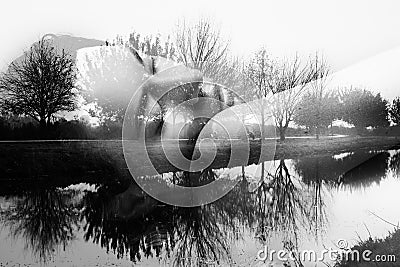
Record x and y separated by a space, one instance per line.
200 133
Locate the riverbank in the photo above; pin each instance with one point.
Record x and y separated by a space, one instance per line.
104 160
293 148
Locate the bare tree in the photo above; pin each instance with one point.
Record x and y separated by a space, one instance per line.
261 71
288 84
321 71
41 84
201 46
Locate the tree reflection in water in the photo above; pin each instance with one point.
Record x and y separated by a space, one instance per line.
316 175
136 225
288 204
287 214
366 173
45 218
192 179
395 164
355 170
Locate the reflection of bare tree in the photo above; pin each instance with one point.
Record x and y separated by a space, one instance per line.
45 218
130 223
395 163
119 222
318 208
135 224
147 228
288 213
288 209
314 172
199 238
127 222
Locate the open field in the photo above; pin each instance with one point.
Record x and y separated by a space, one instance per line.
104 160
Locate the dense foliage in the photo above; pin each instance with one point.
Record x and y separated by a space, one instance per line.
394 111
317 111
364 109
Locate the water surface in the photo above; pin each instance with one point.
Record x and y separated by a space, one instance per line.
300 204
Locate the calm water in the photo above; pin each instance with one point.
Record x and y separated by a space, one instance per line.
301 204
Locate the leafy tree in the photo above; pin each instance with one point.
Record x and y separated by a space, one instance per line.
318 107
363 109
394 111
41 84
317 110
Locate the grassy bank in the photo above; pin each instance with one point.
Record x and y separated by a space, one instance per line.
104 160
292 148
384 252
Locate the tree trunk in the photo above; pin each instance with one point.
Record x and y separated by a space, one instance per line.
262 120
282 133
43 123
48 120
262 172
43 128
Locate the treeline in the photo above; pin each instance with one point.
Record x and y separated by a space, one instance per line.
298 87
369 113
27 129
313 107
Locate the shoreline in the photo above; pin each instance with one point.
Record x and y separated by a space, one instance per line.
99 160
293 149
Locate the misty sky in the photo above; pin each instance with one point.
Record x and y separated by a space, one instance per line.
345 31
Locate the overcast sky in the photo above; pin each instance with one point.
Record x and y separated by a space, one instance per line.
345 31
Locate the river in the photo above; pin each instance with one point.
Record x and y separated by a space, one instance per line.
309 203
